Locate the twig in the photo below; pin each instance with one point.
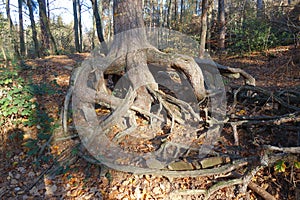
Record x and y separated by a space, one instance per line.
272 120
209 192
46 144
235 134
295 150
260 191
66 138
268 93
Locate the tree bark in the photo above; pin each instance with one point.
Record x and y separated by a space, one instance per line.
169 17
181 10
130 36
80 26
161 19
209 23
203 28
46 36
12 29
75 27
196 7
99 26
222 27
33 28
21 28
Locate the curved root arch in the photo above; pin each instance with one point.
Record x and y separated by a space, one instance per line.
151 115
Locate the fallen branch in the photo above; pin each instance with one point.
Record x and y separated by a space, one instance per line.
260 191
265 92
206 193
295 150
264 120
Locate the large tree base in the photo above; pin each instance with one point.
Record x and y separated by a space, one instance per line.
146 109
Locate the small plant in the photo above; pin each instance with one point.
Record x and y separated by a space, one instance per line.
281 165
253 35
16 101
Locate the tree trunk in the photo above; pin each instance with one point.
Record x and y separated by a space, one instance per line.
99 26
33 28
131 55
203 28
161 18
222 27
151 13
196 7
21 28
80 26
181 10
48 9
169 17
259 6
209 23
75 27
93 34
130 36
12 29
46 36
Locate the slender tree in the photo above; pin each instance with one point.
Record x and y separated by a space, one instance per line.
75 27
21 28
196 6
12 30
45 38
222 27
169 17
33 28
99 25
209 23
80 25
181 10
161 18
203 28
48 41
175 11
259 6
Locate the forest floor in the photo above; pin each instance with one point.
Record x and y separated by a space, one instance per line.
33 177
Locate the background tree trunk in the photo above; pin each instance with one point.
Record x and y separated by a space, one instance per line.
169 17
175 12
80 26
181 10
12 30
161 18
260 8
21 28
203 28
33 28
45 38
48 9
99 25
46 35
209 24
222 27
75 27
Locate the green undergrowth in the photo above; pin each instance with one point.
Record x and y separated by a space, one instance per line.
20 107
